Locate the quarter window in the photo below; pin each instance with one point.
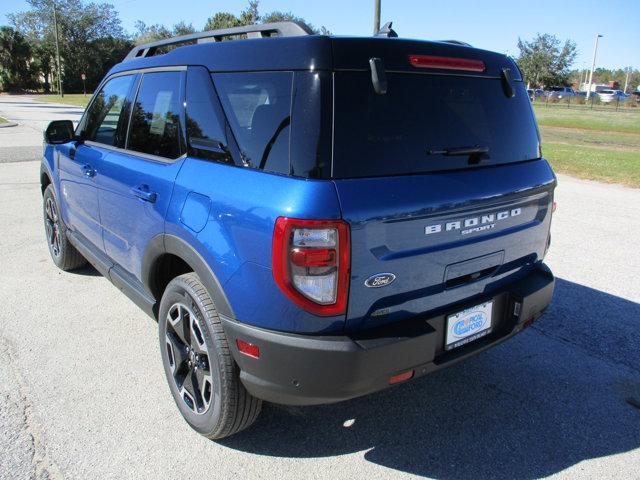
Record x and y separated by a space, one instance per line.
104 118
258 107
205 132
155 120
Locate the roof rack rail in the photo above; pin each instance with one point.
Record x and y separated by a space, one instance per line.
457 42
280 29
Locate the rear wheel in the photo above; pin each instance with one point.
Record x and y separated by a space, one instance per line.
203 377
63 254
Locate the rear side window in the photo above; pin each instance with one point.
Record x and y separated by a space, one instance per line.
422 116
104 117
155 120
258 107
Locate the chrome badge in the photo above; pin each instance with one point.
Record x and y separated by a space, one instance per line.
379 280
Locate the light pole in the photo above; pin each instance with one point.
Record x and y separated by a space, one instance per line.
376 16
593 65
626 80
55 27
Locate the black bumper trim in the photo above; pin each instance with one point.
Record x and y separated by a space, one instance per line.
309 370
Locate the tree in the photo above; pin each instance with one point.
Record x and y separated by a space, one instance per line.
222 20
149 33
251 16
544 61
83 28
181 28
16 70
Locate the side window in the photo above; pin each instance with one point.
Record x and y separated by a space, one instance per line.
258 107
104 117
205 133
155 120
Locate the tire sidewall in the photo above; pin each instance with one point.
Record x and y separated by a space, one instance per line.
49 193
180 291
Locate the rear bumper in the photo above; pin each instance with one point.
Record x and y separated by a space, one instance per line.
309 370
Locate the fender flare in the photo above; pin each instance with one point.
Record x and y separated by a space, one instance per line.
45 170
166 243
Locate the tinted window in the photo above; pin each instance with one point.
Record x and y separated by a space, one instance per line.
155 121
205 132
258 107
408 129
104 118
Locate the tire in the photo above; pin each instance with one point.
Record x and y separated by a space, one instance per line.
63 254
202 375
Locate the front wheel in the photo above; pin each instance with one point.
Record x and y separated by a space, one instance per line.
63 254
203 377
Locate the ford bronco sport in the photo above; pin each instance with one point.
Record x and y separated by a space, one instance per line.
309 218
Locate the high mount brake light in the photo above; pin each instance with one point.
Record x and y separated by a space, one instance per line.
447 63
311 260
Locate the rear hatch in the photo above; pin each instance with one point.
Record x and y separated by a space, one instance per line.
440 178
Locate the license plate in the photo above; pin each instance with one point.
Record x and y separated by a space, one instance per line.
468 325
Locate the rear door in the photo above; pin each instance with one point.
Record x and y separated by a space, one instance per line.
443 185
136 182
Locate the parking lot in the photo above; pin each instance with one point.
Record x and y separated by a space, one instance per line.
83 393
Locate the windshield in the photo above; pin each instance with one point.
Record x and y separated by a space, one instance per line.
426 123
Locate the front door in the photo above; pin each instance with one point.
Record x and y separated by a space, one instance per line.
80 163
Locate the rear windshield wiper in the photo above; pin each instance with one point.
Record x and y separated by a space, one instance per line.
460 151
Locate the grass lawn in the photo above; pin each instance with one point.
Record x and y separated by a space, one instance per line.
2 120
595 163
596 145
584 119
77 99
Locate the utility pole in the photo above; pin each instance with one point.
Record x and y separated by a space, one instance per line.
593 65
376 17
55 27
626 81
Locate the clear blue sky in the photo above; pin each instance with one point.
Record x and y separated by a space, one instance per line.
490 24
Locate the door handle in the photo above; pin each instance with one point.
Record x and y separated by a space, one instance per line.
88 171
143 193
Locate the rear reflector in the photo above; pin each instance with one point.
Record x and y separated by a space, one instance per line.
248 349
447 63
401 377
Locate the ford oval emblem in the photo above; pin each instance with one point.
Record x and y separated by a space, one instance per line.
379 280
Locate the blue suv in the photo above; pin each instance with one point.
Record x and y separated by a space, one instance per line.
309 218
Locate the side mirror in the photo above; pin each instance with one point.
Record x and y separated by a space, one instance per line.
59 131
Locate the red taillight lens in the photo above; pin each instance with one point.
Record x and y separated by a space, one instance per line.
314 257
311 263
447 63
248 349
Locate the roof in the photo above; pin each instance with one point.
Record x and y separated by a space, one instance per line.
315 52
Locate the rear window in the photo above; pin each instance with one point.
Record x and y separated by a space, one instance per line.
400 132
258 107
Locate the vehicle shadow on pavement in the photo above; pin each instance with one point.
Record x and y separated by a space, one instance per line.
531 407
87 270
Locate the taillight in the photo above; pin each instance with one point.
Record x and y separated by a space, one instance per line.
447 63
311 263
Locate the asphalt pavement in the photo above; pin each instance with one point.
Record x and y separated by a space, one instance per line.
83 394
23 142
